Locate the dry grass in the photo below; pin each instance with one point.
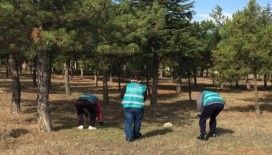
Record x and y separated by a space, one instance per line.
240 130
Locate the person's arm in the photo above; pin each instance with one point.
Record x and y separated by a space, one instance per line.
199 103
145 95
123 91
99 112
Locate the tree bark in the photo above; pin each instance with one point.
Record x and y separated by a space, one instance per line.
44 118
49 73
161 73
247 83
257 106
15 85
147 81
195 78
202 72
111 80
81 71
96 79
119 80
71 68
190 88
7 68
105 89
265 79
66 79
179 83
237 84
155 81
34 72
207 72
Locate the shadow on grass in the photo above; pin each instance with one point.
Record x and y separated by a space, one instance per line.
15 133
157 132
111 125
251 108
222 131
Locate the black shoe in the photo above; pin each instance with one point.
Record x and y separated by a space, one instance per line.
212 134
203 137
138 136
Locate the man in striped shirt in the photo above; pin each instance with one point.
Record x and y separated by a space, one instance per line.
133 96
209 105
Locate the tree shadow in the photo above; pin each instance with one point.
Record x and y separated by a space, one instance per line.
222 131
63 114
251 108
15 133
157 132
178 112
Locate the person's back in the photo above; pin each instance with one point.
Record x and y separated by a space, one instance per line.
134 96
210 97
88 102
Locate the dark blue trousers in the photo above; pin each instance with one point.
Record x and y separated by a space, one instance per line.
210 111
133 120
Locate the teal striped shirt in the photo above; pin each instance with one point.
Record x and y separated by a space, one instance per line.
134 95
210 97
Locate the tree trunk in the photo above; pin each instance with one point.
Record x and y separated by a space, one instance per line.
105 89
119 81
7 68
190 88
15 84
207 72
44 118
34 72
155 81
161 73
71 68
179 83
147 81
257 106
96 79
111 77
66 79
195 78
81 71
247 83
49 73
265 79
202 72
237 84
222 85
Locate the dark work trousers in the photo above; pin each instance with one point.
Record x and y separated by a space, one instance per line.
210 111
82 105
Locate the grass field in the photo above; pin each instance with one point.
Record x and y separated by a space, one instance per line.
240 130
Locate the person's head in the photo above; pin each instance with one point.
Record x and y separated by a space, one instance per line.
135 79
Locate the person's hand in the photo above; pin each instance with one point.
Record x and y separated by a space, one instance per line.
101 123
198 114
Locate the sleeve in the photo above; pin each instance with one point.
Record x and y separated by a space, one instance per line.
199 102
145 95
123 91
